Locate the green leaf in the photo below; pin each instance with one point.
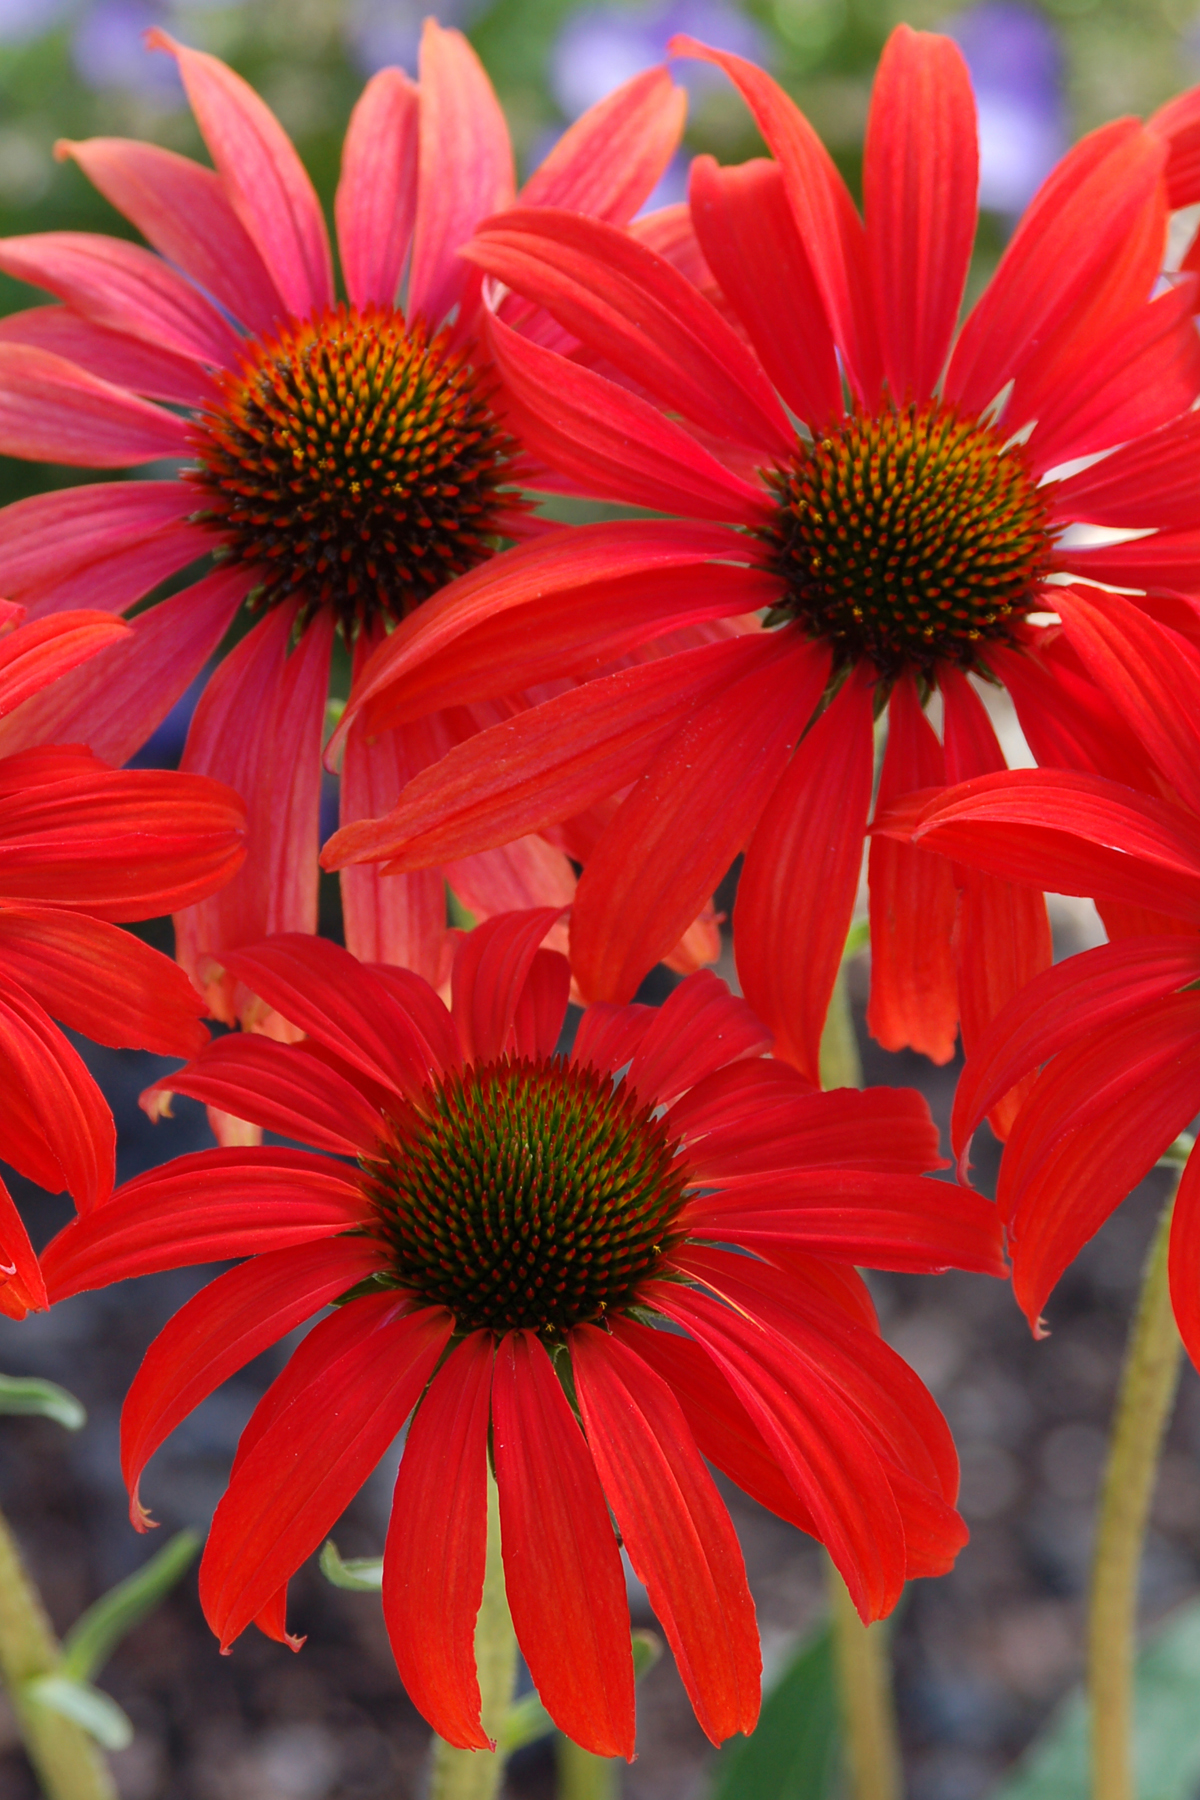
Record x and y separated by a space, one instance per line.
87 1706
97 1632
25 1394
362 1574
793 1753
1166 1745
647 1648
527 1719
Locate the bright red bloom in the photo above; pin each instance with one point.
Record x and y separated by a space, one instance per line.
531 1214
345 459
902 543
82 846
1115 1032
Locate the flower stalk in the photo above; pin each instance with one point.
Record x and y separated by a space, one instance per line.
1144 1403
582 1776
477 1774
69 1765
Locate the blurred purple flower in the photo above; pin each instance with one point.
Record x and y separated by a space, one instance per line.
1016 65
108 51
386 33
21 20
601 46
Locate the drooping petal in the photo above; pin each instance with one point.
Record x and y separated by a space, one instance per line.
801 874
693 809
263 177
22 1289
566 1589
679 1536
305 1468
228 1323
202 1208
433 1563
490 972
920 180
296 781
57 1128
183 210
402 919
700 1027
128 362
542 1008
1185 1259
53 411
608 1035
376 200
608 163
44 650
466 167
512 878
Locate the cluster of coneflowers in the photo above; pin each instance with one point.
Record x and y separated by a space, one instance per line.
590 1274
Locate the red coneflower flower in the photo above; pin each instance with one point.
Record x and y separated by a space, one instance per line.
903 540
517 1229
1115 1031
344 460
82 846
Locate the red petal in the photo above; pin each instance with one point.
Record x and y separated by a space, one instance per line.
920 180
53 411
542 1008
490 971
566 1589
1068 722
1179 122
700 1027
433 1565
279 1087
1144 483
680 1538
203 1208
801 874
57 1126
305 1468
228 1323
608 1035
609 162
1185 1259
696 804
22 1288
376 200
44 650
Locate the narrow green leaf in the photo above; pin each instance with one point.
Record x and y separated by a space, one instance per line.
525 1721
793 1753
1175 1155
362 1574
97 1632
1166 1742
86 1706
26 1394
647 1648
857 938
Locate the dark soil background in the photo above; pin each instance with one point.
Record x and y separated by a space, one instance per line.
982 1656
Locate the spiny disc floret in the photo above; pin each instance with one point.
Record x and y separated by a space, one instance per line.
909 538
355 462
526 1194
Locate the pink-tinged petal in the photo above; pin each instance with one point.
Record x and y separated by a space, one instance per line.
545 609
101 981
320 988
512 878
695 806
880 1219
1141 666
54 534
376 200
1185 1259
1077 244
53 411
22 1289
755 1117
566 1589
279 1087
914 994
433 1563
610 442
287 1492
403 919
225 1326
644 317
920 181
124 287
129 362
183 209
120 844
674 1525
203 1208
797 890
117 581
1071 834
490 971
828 222
544 765
746 230
55 1120
608 163
1098 1119
116 702
41 652
813 1434
296 780
700 1028
608 1035
1087 993
466 167
1145 373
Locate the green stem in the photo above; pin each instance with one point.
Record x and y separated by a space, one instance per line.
582 1776
68 1764
477 1774
1144 1402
